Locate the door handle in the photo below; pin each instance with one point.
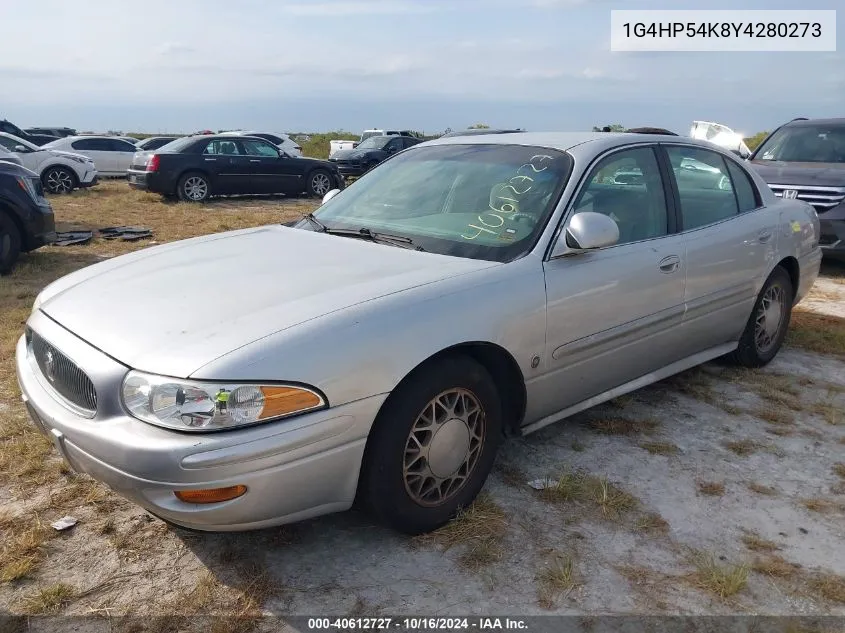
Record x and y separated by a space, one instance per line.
764 236
669 264
210 160
254 160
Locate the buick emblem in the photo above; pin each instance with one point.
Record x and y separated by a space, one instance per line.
50 365
790 194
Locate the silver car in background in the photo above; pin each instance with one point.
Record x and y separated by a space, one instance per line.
467 289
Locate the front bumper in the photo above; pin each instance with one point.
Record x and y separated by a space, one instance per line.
350 170
89 179
832 238
40 226
293 469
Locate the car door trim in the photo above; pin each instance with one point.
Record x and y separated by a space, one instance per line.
633 385
642 328
723 299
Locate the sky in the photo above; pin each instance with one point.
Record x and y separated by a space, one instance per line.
320 65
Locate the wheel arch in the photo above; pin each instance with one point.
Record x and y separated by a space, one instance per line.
69 168
503 369
790 265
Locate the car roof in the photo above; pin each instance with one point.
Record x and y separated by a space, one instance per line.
564 141
803 122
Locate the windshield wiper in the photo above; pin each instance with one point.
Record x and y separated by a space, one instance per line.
365 233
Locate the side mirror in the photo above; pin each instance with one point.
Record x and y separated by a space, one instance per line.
331 194
586 231
20 148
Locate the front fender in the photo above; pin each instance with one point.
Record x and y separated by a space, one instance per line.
367 349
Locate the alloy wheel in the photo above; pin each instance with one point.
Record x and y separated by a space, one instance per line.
59 181
769 317
443 447
196 188
320 184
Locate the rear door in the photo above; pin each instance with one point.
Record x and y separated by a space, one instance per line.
615 314
98 150
730 240
273 173
231 171
122 153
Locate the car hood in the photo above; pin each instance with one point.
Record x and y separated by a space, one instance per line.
356 154
809 174
172 309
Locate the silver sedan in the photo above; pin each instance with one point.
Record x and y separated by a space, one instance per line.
466 290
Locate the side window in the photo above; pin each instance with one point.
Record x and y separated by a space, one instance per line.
394 146
8 143
746 192
116 145
257 148
627 187
85 143
221 146
704 186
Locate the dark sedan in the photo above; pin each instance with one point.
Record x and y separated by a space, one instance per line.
370 152
195 168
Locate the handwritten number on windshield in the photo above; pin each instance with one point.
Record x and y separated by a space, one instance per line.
509 205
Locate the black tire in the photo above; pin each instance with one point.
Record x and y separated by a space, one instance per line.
193 187
58 179
320 182
757 348
10 243
384 488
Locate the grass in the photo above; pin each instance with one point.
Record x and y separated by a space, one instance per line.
623 426
773 414
762 489
756 543
814 332
480 529
839 469
22 547
830 413
743 448
829 586
711 488
651 522
559 576
609 499
823 506
49 599
660 448
723 580
776 566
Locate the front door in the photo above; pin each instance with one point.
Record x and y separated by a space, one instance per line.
229 166
615 314
730 244
272 172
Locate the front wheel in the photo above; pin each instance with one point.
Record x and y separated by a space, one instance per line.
766 328
10 243
59 180
193 187
432 445
319 183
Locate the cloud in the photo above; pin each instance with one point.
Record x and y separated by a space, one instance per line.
350 7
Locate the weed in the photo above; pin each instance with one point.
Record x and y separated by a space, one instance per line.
660 448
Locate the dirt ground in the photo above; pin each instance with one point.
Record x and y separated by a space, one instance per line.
718 491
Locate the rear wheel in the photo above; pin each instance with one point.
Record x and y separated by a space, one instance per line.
432 445
10 243
194 187
319 183
766 328
59 180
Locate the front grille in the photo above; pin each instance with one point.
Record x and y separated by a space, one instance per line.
62 374
822 198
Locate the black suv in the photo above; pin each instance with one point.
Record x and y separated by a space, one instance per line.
36 139
26 218
805 159
370 152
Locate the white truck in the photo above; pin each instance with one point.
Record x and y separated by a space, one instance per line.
721 135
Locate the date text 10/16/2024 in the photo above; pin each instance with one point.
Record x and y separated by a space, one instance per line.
416 624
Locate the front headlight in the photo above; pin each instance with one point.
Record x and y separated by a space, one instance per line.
189 405
79 159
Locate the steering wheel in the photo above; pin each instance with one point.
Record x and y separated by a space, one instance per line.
518 217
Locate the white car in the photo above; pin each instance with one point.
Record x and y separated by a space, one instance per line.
60 172
111 155
282 141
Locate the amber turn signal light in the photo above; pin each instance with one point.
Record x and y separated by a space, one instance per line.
210 495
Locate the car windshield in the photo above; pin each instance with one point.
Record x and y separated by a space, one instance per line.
375 142
806 144
479 201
